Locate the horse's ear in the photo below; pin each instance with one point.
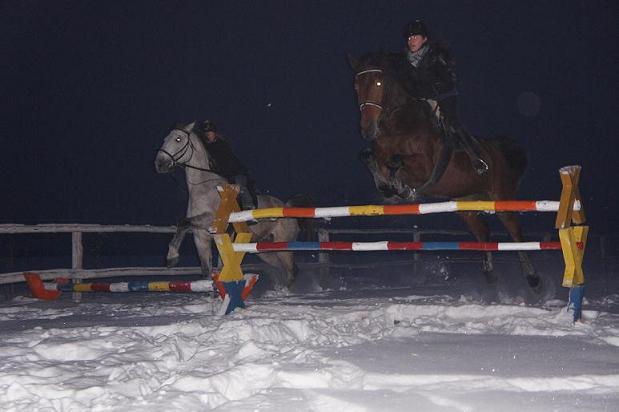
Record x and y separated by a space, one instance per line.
353 62
196 129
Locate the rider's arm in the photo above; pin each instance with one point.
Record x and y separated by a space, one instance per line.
444 74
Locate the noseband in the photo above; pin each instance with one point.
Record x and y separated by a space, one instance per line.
181 152
362 105
175 156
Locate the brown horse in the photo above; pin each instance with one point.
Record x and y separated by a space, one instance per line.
409 157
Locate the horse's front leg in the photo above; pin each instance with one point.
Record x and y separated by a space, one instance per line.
199 221
388 187
182 228
202 239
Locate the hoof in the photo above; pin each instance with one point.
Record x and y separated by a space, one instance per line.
366 156
287 282
491 278
171 262
387 191
535 283
480 166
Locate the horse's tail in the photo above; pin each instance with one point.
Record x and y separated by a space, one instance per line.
307 226
515 155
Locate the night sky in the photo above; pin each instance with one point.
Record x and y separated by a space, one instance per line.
90 88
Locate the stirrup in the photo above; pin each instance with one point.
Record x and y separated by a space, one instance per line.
480 166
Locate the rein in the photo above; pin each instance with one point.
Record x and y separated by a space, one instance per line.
182 151
179 154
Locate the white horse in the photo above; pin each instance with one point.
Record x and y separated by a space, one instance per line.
182 147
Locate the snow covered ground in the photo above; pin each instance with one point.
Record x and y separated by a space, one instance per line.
360 346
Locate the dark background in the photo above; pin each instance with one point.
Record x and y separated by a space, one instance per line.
90 88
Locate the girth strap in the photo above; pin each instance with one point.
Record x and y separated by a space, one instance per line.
439 168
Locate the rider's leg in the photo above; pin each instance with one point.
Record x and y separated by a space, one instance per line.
245 195
449 109
473 150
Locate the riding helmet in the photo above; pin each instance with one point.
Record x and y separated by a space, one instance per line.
209 126
416 27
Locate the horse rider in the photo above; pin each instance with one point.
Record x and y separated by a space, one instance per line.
226 164
431 75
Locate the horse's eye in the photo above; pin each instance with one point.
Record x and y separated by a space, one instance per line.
379 83
178 139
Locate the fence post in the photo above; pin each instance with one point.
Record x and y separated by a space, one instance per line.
323 236
323 257
416 238
77 260
416 255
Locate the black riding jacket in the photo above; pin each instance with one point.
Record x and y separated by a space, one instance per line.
434 76
223 161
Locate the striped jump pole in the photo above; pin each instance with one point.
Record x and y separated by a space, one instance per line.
52 290
389 245
407 209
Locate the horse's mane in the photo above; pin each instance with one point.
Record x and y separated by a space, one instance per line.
397 66
393 64
201 137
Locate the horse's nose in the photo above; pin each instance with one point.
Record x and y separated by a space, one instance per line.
370 132
369 129
162 165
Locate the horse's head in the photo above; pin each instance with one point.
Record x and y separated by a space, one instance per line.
370 92
177 149
377 90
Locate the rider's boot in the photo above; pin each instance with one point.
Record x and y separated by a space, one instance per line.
246 198
449 111
247 201
472 149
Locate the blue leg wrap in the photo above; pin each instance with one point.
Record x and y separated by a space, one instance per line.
576 295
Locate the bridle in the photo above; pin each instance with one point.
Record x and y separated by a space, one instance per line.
180 153
362 105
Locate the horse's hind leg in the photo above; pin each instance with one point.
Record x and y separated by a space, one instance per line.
173 255
271 259
287 263
510 221
480 229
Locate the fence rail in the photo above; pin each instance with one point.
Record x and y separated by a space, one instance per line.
12 228
77 270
